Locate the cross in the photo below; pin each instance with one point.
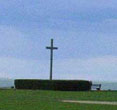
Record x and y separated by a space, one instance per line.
51 57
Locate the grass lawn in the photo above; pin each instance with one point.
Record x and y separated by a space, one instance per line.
50 100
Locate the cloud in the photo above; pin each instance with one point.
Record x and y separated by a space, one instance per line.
4 75
15 43
81 29
31 44
69 15
100 68
32 11
96 69
22 68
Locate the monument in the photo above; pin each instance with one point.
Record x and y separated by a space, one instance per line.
51 48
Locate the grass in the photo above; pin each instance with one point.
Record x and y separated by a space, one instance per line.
50 100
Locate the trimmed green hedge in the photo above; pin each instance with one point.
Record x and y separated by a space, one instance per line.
62 85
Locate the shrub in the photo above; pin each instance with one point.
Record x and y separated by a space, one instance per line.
12 87
62 85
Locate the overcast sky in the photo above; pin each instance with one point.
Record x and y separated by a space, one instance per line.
84 30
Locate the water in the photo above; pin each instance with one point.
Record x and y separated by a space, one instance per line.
7 83
107 85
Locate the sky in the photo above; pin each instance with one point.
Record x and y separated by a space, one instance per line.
85 31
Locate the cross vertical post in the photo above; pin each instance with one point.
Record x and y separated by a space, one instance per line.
51 57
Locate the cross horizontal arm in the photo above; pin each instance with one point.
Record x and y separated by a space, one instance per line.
52 48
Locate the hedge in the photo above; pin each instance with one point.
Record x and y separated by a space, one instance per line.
62 85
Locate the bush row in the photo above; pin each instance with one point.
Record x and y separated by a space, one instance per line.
62 85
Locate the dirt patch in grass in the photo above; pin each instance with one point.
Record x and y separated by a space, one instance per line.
90 102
